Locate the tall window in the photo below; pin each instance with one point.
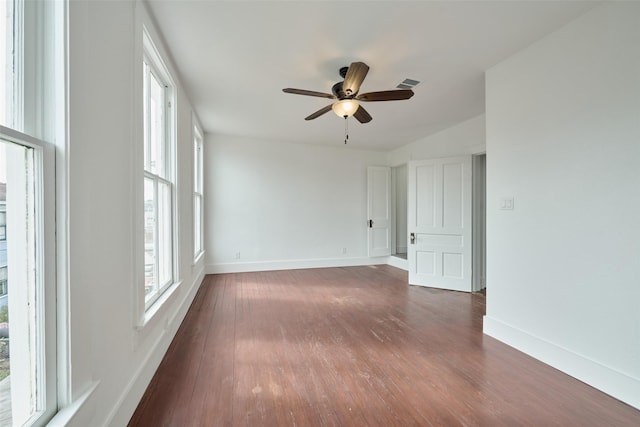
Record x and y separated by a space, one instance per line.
27 238
198 207
159 175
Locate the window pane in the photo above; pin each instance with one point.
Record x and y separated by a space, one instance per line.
164 233
145 98
150 282
3 224
196 167
197 223
21 313
156 126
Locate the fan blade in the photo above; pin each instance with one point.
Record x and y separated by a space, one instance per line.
386 95
362 115
353 79
308 93
319 112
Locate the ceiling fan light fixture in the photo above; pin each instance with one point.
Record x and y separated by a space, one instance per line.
346 94
345 107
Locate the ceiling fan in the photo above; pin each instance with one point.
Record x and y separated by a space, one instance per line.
346 94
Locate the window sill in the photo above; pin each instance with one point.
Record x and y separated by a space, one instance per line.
67 414
198 258
153 313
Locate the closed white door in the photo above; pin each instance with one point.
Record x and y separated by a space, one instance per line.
379 210
439 223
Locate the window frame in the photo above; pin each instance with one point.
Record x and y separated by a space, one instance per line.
154 65
38 121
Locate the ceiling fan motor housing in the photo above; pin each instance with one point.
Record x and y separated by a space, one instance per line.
339 92
338 89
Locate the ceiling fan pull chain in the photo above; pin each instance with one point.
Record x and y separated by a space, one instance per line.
346 129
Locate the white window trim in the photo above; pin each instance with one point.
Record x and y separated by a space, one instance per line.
158 68
60 124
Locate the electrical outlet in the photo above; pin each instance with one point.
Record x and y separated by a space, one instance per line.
344 251
238 255
506 203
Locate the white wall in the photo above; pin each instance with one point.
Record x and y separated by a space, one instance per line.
283 205
465 138
110 361
563 138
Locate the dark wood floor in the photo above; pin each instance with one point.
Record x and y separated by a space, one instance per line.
354 346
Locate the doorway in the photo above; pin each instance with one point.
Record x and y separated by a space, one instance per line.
399 188
399 225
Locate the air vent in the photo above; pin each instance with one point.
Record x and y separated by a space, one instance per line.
408 84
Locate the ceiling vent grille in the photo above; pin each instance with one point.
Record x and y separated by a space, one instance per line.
408 84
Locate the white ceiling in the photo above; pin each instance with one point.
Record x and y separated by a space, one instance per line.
235 57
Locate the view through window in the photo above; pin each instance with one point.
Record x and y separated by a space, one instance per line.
20 319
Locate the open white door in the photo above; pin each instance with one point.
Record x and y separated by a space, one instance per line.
439 223
379 210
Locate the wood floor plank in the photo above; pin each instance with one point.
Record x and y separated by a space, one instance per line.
354 346
213 390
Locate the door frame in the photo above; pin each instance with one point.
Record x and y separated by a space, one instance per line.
479 222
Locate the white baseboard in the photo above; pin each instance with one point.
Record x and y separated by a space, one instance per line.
394 261
608 380
245 267
135 388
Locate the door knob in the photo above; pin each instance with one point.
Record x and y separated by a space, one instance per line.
412 238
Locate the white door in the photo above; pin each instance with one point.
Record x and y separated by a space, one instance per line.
439 223
379 210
